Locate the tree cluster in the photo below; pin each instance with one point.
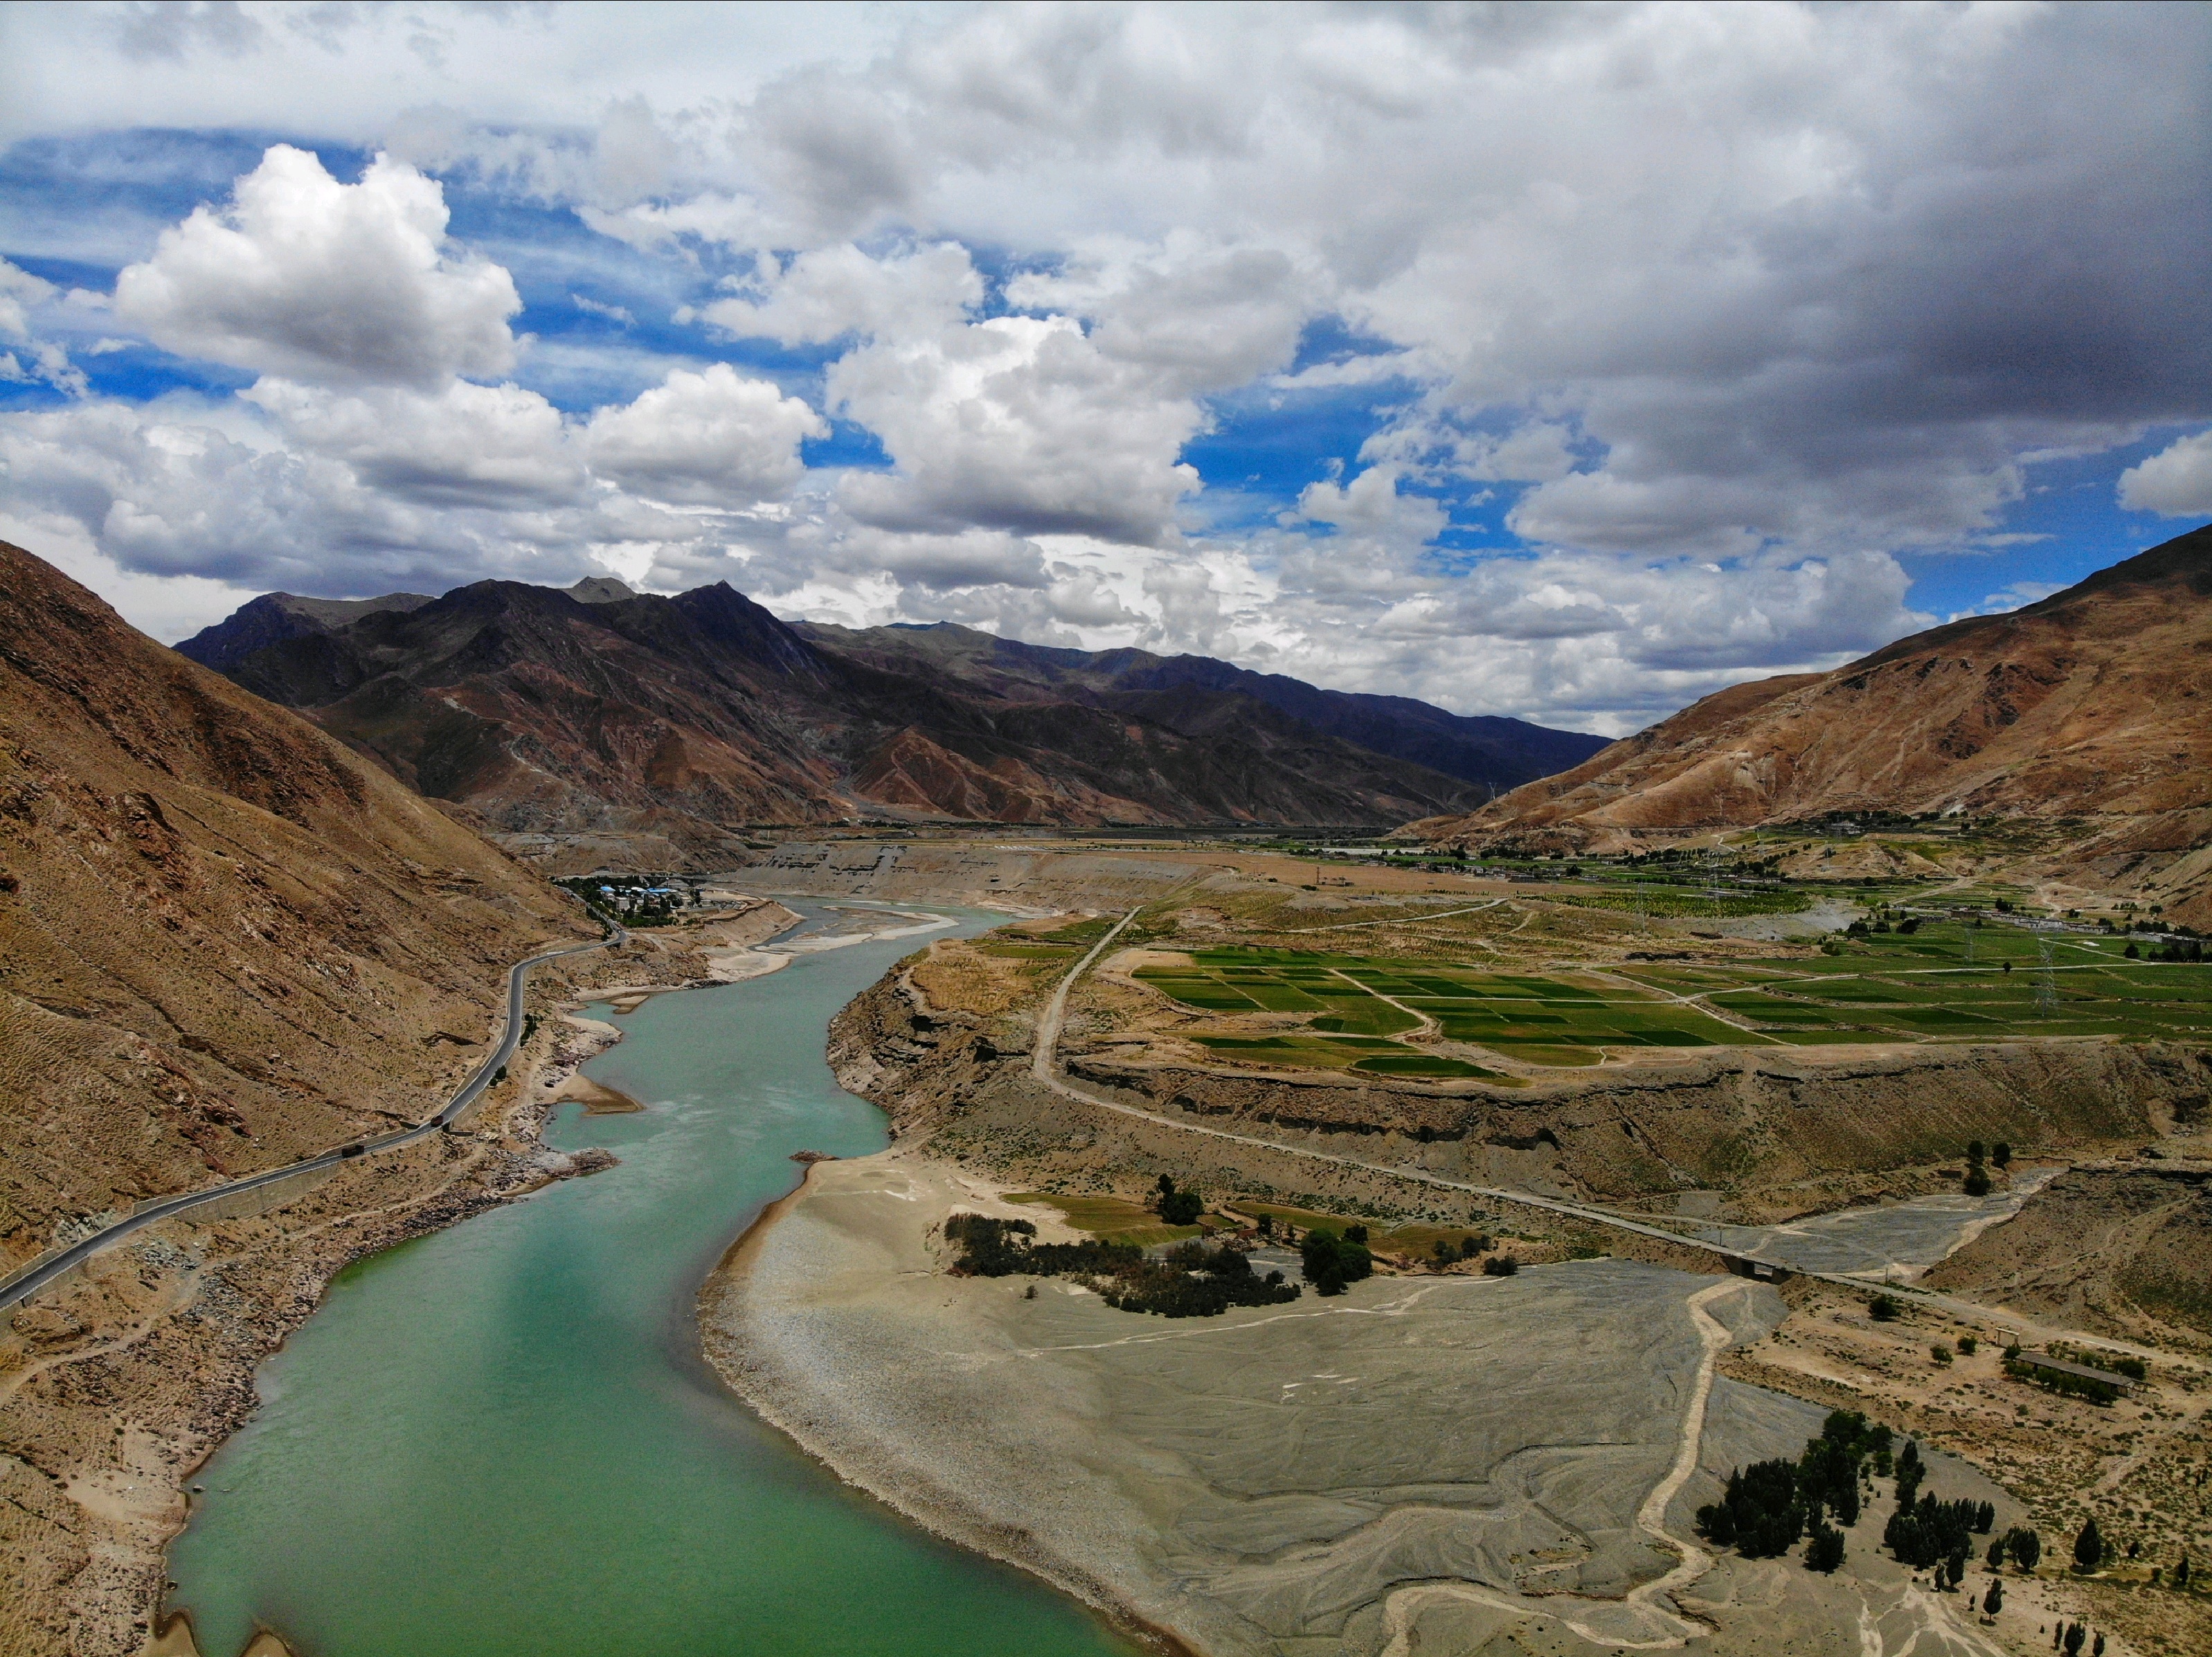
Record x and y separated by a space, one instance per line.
1769 1505
1192 1279
1448 1253
1332 1263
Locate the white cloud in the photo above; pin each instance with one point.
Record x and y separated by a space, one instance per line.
1199 316
1741 300
833 291
711 436
305 276
467 445
2175 483
1019 423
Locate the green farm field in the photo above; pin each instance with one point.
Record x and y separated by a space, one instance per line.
1947 981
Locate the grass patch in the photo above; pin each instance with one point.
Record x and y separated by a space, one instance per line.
1110 1219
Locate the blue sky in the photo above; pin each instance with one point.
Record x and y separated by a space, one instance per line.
1570 365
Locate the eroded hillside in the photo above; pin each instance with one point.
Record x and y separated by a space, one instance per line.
2089 713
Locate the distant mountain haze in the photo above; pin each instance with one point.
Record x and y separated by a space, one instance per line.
671 721
2094 705
1492 752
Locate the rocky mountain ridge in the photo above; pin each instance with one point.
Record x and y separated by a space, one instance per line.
568 719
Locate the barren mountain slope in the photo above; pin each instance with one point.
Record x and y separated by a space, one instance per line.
224 941
2095 703
2119 1249
674 721
1494 752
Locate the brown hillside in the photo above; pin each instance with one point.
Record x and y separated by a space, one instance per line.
225 941
649 729
2094 704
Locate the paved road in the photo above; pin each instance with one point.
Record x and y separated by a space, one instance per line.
28 1281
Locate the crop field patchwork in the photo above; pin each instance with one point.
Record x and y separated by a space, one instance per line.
1951 980
1946 981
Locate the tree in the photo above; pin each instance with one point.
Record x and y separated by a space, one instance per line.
2024 1546
1883 1308
1973 1150
1993 1601
1177 1207
2088 1547
2000 1154
1825 1551
1997 1553
1976 1182
2181 1573
1332 1263
1500 1265
2075 1636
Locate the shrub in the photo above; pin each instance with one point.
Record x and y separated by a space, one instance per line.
1969 1346
1500 1265
1883 1308
1940 1352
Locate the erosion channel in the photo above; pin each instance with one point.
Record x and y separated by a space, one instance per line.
500 1439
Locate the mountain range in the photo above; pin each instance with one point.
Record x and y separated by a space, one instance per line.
2088 714
559 717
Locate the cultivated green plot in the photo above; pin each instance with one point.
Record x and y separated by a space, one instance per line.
1945 982
1951 981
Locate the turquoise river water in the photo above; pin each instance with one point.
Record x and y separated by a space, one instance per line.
500 1441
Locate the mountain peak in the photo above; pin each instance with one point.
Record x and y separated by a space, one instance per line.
600 590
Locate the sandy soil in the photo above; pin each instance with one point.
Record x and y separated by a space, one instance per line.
1431 1463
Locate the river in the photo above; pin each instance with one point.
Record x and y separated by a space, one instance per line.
500 1441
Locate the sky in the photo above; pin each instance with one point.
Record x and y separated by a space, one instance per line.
1568 362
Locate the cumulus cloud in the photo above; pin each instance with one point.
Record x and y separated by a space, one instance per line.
1721 308
466 445
301 276
321 490
833 291
1200 316
19 293
713 438
1019 423
2175 483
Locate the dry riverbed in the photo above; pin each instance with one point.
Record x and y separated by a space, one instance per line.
1431 1463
